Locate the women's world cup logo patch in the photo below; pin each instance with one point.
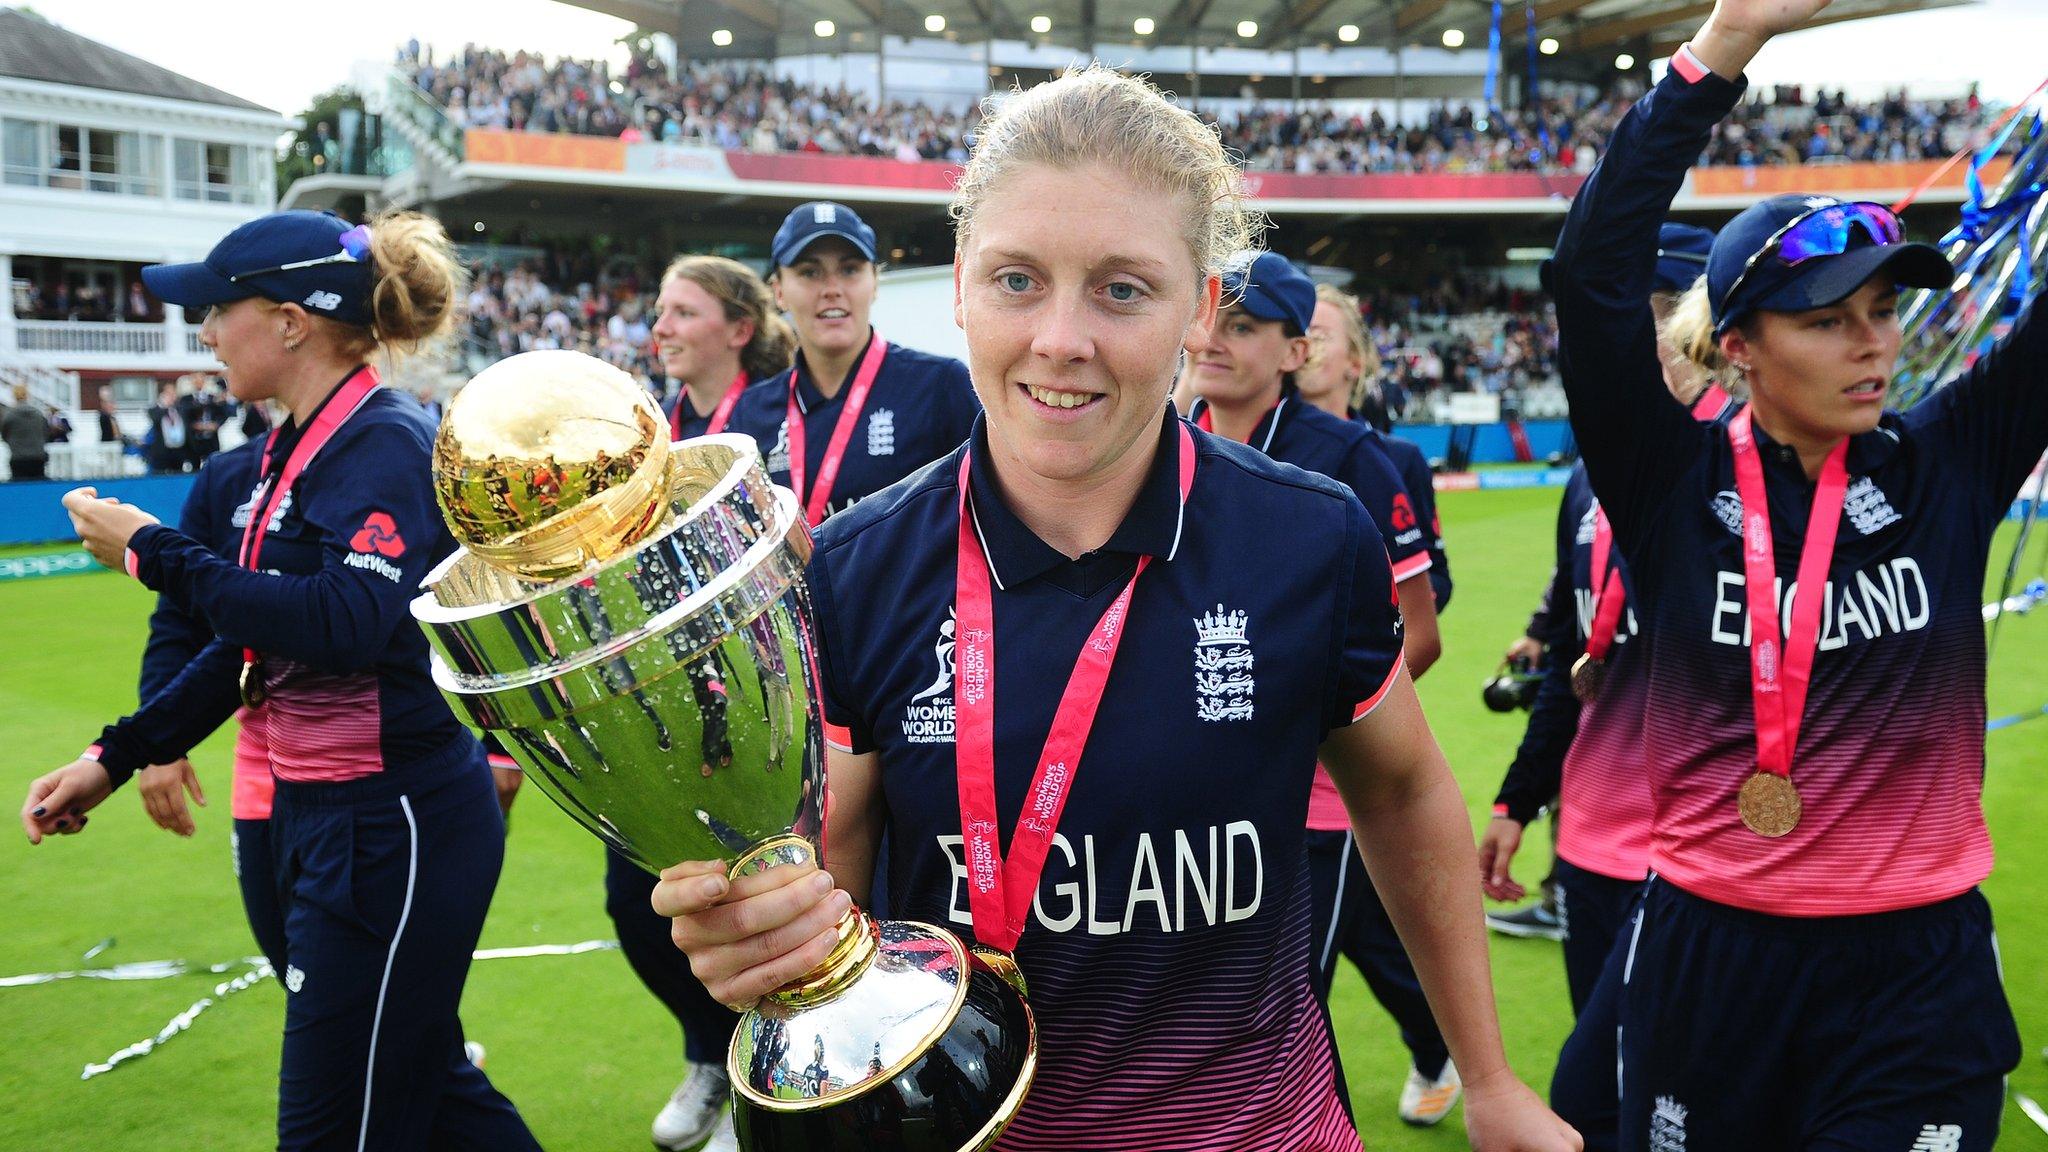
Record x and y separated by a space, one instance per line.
928 718
1223 666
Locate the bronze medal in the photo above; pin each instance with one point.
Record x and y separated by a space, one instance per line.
1769 804
254 690
1588 673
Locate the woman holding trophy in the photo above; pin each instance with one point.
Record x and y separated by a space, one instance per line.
1153 892
1813 965
385 829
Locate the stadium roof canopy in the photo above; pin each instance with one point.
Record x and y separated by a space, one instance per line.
761 28
32 48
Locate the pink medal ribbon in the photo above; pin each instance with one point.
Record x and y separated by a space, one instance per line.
1000 892
1608 594
719 414
819 496
1781 667
270 491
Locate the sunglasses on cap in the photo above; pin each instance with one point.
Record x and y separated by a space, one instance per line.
355 248
1824 231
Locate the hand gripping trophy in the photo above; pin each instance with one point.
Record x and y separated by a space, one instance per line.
630 617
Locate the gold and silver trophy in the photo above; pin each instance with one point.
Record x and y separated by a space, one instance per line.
629 616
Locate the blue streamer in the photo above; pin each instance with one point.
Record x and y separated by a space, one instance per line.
1493 60
1529 98
2015 718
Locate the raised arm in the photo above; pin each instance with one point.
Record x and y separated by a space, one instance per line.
1636 442
1994 420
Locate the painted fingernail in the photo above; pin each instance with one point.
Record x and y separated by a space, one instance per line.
37 812
63 823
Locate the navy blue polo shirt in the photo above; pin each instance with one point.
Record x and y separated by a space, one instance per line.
349 688
1168 947
921 407
1890 759
1299 433
220 488
1416 477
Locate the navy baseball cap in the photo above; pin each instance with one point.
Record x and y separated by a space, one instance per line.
1866 241
313 259
1269 286
808 223
1682 251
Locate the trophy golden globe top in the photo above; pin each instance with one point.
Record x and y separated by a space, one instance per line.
550 461
629 617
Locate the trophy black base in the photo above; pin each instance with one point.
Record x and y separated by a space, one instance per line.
955 1091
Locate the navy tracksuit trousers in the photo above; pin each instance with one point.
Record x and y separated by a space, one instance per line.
384 883
1835 1034
1598 910
1347 918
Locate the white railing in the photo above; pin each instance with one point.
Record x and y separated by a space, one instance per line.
89 337
50 387
193 346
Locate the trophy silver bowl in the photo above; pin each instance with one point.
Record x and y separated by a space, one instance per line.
652 676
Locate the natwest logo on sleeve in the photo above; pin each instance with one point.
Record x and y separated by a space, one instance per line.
1404 513
379 534
376 540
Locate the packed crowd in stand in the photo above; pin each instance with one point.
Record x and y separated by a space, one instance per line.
521 309
731 107
1456 335
743 107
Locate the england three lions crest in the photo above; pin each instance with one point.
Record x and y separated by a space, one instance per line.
1223 666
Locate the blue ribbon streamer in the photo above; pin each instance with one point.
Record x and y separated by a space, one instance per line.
1493 60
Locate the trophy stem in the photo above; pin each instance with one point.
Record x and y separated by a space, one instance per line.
859 941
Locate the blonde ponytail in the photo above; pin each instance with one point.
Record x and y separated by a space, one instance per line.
417 283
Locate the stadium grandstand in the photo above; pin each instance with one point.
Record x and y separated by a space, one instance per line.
1396 151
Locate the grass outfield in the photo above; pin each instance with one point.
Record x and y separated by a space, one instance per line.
585 1052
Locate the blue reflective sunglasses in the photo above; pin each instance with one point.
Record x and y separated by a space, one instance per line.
1824 231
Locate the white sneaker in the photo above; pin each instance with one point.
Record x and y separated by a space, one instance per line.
474 1051
1424 1101
695 1106
723 1140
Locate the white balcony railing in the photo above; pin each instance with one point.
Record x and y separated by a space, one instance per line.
192 345
89 338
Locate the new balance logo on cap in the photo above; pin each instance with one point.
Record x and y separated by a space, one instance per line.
324 301
1939 1138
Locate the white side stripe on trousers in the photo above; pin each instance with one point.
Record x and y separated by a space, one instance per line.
412 871
1336 905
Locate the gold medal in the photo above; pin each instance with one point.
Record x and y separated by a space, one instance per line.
1769 804
1588 673
254 690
